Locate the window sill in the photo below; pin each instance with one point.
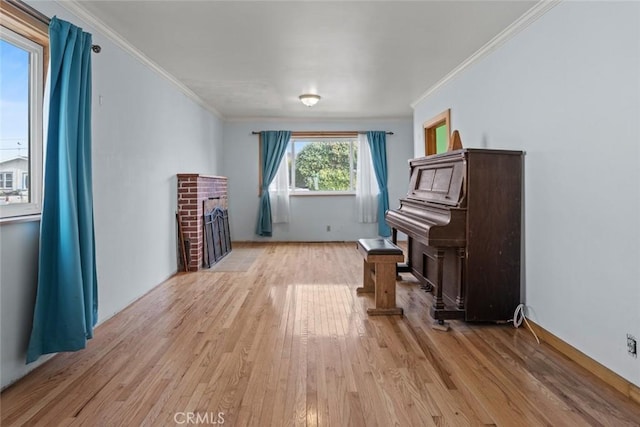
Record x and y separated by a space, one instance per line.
20 218
321 193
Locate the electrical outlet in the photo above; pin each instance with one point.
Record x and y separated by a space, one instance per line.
632 345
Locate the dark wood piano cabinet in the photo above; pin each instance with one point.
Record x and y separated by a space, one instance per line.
463 219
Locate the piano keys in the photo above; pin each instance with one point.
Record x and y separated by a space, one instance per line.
463 216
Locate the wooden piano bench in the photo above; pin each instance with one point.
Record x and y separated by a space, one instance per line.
379 274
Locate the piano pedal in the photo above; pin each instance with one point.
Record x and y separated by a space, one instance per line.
440 325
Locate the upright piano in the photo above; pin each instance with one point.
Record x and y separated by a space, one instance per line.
462 216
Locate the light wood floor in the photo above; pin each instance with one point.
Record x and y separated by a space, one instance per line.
289 342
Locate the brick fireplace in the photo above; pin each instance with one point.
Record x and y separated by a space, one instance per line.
193 190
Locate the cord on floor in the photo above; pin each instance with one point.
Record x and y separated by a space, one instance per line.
518 317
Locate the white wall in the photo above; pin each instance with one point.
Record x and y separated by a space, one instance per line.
310 215
144 133
567 91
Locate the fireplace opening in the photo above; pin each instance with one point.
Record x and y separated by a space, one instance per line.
217 237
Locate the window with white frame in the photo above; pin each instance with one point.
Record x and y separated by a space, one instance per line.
322 165
23 54
6 180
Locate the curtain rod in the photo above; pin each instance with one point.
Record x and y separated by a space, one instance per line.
320 133
41 17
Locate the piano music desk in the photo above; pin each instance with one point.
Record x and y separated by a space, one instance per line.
379 274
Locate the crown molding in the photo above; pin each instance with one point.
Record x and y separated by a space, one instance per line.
78 10
297 119
528 18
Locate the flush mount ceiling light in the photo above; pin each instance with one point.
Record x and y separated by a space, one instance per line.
309 99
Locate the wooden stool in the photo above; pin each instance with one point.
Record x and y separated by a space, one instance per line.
379 274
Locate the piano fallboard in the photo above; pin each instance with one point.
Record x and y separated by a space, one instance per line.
430 224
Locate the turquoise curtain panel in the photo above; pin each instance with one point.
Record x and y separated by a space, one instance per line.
66 307
378 145
274 145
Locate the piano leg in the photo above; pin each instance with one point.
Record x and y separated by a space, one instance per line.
440 324
409 252
460 297
439 302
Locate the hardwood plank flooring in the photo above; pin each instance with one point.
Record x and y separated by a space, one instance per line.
289 343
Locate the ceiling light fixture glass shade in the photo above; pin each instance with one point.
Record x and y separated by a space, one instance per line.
309 99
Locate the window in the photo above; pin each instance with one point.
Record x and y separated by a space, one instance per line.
23 55
320 165
436 133
6 180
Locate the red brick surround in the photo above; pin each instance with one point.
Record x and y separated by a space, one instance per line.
193 189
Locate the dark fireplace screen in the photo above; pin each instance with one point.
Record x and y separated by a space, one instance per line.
217 238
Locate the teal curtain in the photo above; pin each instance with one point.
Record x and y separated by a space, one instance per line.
66 307
274 145
378 145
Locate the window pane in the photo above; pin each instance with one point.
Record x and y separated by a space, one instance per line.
14 122
441 138
323 165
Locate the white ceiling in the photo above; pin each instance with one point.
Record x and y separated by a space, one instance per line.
367 59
